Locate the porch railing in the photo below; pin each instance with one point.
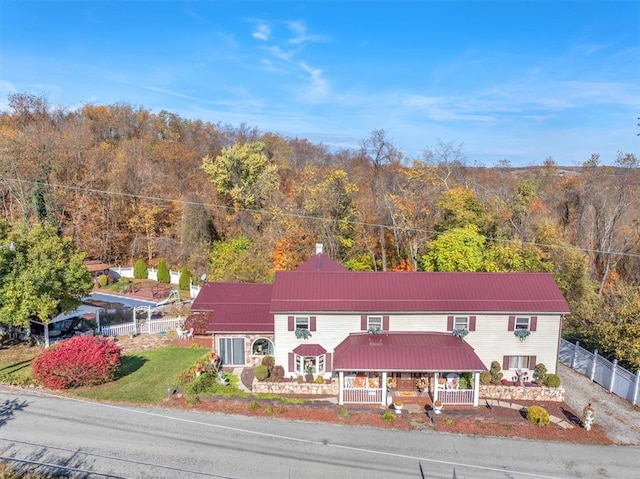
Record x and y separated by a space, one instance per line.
455 396
362 395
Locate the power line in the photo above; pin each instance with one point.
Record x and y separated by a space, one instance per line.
308 217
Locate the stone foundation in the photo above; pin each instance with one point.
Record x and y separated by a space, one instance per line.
295 388
521 393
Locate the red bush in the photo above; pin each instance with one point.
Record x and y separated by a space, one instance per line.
75 362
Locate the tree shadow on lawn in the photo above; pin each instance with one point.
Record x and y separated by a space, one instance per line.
130 364
14 368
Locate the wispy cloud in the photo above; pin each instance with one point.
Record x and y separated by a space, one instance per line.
299 30
316 87
262 32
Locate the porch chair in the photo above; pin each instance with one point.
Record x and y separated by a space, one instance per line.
189 334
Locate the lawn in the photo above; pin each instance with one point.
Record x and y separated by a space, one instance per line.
144 376
16 360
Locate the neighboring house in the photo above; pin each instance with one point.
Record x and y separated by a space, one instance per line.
374 329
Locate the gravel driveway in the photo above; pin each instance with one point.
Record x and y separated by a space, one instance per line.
619 419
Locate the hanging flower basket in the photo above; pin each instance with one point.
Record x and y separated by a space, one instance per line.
302 333
522 334
460 333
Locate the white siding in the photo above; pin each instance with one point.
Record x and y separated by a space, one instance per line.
491 339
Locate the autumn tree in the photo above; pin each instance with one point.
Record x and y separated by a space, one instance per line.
459 249
239 260
243 175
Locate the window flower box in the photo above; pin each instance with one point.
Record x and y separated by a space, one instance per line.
522 334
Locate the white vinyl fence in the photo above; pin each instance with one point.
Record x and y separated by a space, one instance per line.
127 272
607 374
153 326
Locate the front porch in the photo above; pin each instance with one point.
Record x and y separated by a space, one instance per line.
387 388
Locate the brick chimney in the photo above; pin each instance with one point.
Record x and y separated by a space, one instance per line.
318 248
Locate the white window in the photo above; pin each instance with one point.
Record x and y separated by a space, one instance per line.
302 322
518 362
262 347
374 323
461 323
309 364
522 322
231 350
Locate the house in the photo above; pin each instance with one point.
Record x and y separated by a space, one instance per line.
370 331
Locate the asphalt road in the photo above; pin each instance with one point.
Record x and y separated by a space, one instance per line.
90 440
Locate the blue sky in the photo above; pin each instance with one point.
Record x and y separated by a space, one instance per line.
510 80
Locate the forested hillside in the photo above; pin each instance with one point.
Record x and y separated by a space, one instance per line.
125 183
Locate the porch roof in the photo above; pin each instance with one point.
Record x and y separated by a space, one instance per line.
405 351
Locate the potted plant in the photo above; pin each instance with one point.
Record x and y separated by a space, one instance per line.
421 384
437 406
397 405
199 370
391 383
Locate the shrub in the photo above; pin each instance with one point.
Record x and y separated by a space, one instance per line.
538 415
344 413
103 280
553 381
319 379
202 384
269 362
184 282
485 377
496 374
540 374
254 405
277 374
261 372
140 270
199 322
388 416
78 361
164 276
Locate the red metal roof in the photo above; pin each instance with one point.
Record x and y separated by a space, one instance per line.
302 291
236 307
310 350
405 351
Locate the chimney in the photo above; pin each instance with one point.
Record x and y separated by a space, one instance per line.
318 248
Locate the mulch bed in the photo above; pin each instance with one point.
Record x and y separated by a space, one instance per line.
505 422
316 411
482 421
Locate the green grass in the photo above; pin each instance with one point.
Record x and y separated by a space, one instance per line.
144 376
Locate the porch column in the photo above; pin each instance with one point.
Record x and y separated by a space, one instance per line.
384 388
476 388
46 335
340 386
435 386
